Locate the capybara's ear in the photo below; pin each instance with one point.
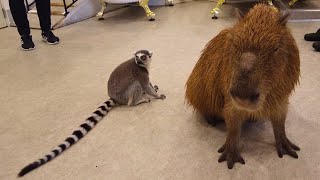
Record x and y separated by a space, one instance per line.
239 13
283 17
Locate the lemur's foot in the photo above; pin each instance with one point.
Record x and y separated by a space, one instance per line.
156 88
231 155
162 96
142 101
285 146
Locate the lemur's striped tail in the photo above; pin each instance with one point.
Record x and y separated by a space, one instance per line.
81 131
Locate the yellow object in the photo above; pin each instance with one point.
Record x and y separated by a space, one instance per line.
103 7
271 4
215 10
291 3
144 5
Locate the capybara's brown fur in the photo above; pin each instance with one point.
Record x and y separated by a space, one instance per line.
247 71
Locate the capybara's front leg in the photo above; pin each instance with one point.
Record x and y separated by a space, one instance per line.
230 150
283 144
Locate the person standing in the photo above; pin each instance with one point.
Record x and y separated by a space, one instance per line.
19 14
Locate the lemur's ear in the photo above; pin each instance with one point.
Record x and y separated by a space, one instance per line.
150 52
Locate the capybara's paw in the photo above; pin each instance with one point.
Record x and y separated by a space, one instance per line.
231 155
285 146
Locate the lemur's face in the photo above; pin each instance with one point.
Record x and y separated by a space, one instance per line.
143 57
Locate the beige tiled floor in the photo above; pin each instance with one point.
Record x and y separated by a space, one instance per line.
46 93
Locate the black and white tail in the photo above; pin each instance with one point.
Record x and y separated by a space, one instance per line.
81 131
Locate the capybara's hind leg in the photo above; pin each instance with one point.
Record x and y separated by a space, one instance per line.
283 144
213 120
230 150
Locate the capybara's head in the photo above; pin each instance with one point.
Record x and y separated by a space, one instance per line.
258 42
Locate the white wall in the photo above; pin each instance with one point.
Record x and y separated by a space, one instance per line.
5 4
3 21
6 10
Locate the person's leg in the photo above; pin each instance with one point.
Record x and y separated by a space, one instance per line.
20 18
44 14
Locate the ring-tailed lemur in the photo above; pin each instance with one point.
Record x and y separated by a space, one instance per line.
128 84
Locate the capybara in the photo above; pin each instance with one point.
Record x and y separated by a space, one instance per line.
246 72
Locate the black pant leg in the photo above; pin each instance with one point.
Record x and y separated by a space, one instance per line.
44 14
19 14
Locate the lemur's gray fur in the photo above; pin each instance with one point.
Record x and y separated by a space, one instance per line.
128 84
136 87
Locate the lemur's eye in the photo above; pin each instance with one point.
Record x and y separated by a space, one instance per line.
143 57
137 57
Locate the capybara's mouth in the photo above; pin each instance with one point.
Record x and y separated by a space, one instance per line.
246 104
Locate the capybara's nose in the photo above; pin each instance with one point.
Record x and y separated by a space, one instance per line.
245 95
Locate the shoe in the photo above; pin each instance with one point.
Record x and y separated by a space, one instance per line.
27 43
50 38
312 36
316 45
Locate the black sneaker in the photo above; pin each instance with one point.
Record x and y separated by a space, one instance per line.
27 43
316 45
312 36
50 38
